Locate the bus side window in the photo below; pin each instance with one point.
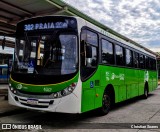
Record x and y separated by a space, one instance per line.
141 61
119 55
89 46
89 53
153 64
136 60
147 62
129 58
107 52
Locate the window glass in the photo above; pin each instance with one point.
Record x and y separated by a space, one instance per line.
147 62
107 52
89 37
47 55
141 61
92 62
4 71
129 58
152 64
136 60
68 53
89 53
119 55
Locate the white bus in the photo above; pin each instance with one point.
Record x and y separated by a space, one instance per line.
66 64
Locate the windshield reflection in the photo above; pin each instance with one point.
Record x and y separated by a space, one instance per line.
47 54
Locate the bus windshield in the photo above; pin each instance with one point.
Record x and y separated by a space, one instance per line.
48 54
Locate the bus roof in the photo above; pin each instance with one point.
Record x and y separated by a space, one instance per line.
75 12
116 38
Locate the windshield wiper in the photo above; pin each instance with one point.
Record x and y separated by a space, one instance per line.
28 44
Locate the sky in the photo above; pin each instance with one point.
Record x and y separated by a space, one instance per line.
138 20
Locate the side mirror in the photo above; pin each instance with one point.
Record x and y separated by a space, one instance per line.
88 51
3 43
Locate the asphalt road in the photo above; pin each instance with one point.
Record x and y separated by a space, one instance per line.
137 113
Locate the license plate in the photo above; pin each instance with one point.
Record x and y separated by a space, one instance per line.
32 101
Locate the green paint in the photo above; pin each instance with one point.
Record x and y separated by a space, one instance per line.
44 88
127 84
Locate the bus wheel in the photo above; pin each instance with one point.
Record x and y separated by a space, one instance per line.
106 103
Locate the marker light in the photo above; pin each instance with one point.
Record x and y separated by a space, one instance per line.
13 90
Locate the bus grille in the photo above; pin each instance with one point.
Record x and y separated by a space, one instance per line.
28 95
41 104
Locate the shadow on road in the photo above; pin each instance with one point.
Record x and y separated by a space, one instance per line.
130 102
62 121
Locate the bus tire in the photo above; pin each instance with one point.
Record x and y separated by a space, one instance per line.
145 95
106 103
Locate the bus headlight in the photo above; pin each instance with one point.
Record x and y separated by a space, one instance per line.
55 95
70 89
65 91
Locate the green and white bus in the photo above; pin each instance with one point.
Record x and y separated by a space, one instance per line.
66 64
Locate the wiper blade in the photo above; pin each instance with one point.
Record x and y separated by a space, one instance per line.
27 41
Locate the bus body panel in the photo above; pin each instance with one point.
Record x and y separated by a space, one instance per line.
43 88
67 104
89 90
131 82
127 83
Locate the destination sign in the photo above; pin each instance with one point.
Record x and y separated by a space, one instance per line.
42 26
45 24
